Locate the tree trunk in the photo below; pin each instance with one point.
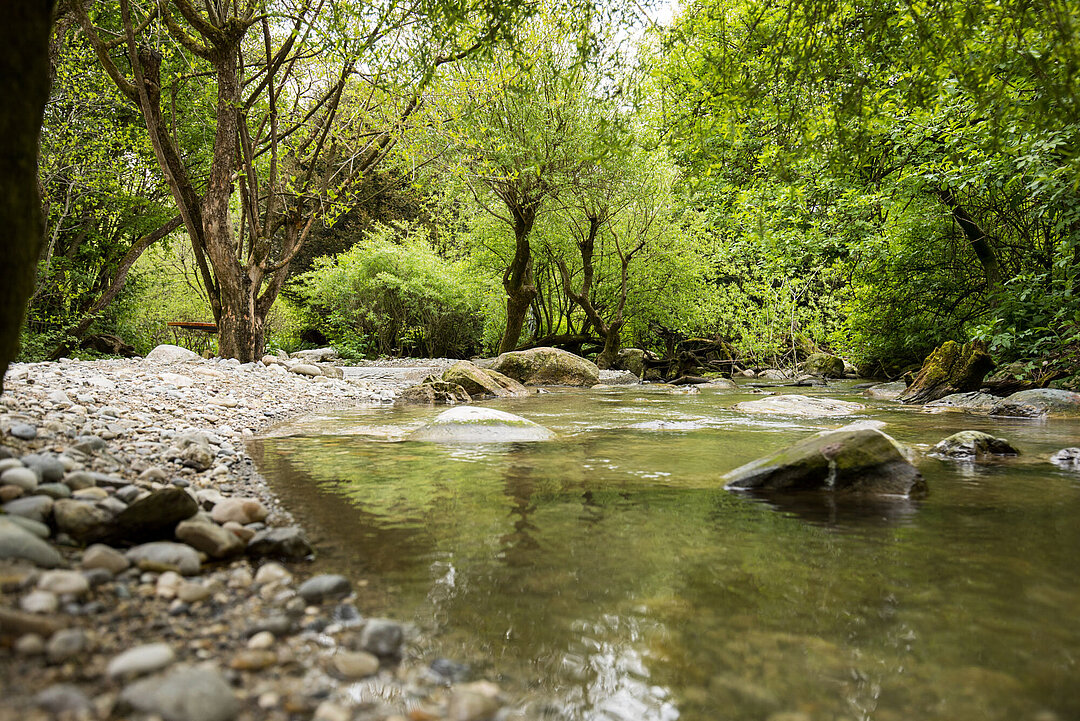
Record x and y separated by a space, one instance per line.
976 237
241 328
951 368
518 281
24 85
612 346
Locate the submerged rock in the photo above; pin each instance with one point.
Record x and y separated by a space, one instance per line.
796 405
469 424
1039 403
857 461
1067 457
548 367
973 444
480 382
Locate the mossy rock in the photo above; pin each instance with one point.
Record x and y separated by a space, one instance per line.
434 392
973 445
951 368
548 367
823 364
861 461
480 382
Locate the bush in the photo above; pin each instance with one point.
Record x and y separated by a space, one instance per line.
394 297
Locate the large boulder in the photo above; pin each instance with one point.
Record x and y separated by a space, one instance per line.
973 445
886 391
470 424
796 405
548 367
630 359
1039 403
823 364
434 392
973 402
171 354
480 382
863 461
951 368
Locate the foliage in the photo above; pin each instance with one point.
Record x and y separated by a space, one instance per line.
394 296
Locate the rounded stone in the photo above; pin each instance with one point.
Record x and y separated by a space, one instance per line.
272 573
472 424
323 587
354 664
140 660
22 477
24 431
66 643
39 602
382 637
104 557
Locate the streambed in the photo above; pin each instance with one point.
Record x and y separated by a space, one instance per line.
607 575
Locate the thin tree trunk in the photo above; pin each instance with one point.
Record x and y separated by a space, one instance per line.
518 281
24 85
976 237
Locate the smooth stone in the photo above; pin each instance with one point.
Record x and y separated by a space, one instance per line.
82 521
164 555
17 623
21 476
864 461
192 592
100 556
973 444
168 584
39 602
36 527
189 694
24 431
323 587
17 542
64 583
547 367
253 659
886 391
10 493
974 401
177 379
243 533
89 444
65 644
354 664
210 538
36 508
156 515
64 700
140 660
167 353
477 701
94 493
1039 403
796 405
272 573
262 640
239 510
29 644
472 424
78 480
382 637
305 369
479 382
55 491
50 469
287 543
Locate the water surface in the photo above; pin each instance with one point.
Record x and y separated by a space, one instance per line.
607 575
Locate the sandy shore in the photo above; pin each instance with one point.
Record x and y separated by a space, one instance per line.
147 571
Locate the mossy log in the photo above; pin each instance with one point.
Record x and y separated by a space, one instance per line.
951 368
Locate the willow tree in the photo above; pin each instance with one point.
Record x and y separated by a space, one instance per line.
310 95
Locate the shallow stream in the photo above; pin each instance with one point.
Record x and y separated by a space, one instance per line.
608 576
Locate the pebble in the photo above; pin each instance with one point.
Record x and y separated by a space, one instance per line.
382 637
253 660
168 584
239 510
24 431
354 664
164 556
140 660
39 602
102 556
191 592
66 643
18 542
287 543
323 587
475 701
21 476
30 644
63 583
36 508
272 573
262 640
210 538
64 700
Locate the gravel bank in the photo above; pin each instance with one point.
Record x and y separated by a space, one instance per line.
147 572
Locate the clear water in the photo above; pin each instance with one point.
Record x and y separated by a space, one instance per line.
607 575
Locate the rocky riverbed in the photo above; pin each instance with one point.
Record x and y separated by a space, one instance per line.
147 572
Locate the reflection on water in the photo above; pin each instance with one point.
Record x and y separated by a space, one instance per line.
606 575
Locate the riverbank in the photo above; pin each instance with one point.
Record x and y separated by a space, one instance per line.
105 613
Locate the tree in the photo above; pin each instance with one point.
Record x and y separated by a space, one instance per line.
309 96
24 82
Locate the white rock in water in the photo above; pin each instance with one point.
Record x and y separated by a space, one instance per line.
796 405
471 424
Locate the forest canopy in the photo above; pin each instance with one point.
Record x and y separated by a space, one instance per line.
867 179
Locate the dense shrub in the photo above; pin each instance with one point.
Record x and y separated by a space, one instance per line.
388 296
